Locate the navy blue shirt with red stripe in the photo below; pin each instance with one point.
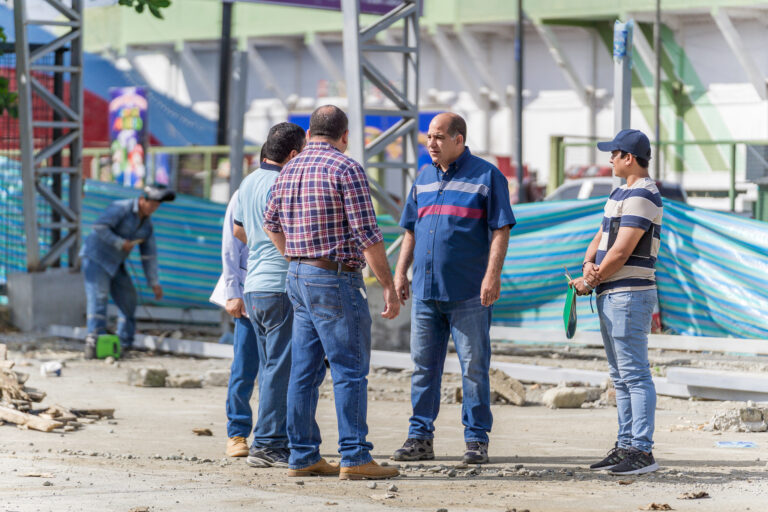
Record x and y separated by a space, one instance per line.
452 215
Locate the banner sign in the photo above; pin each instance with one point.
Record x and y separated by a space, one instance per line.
128 135
366 6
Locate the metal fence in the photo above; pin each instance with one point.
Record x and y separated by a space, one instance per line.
200 171
738 162
12 235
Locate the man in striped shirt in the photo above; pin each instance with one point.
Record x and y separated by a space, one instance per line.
457 220
619 266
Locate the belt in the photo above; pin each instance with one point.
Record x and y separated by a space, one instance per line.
335 266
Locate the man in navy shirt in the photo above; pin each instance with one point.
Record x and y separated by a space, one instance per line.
457 220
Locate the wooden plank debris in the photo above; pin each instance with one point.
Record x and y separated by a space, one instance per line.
10 389
101 413
28 420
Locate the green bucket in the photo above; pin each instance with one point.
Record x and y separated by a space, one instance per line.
107 345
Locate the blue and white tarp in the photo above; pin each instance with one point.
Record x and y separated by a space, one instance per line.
712 269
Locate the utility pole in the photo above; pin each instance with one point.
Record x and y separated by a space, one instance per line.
521 196
225 69
622 78
237 121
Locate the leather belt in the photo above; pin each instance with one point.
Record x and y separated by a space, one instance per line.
326 264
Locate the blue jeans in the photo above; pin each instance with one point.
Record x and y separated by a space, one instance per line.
431 324
271 315
625 321
331 319
245 367
99 285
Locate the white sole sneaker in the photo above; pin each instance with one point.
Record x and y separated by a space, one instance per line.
647 469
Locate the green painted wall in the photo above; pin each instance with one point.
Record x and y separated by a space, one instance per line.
200 20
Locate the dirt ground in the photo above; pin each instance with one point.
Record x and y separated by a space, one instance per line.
147 456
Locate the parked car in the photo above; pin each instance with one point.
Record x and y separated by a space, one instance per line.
596 187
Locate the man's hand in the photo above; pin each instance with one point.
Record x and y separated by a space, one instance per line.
580 286
590 273
128 245
235 308
158 291
391 303
402 287
490 289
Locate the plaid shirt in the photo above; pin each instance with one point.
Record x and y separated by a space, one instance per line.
322 203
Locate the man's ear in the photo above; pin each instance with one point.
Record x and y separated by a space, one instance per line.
345 137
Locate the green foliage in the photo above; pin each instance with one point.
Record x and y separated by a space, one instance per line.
7 98
153 6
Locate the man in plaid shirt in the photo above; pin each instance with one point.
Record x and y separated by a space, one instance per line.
320 216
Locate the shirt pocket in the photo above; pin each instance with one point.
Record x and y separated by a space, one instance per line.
325 300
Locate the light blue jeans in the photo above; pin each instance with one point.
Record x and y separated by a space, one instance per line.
625 321
431 324
99 285
243 372
331 319
271 315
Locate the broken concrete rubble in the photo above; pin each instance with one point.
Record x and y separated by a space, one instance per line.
744 419
217 378
512 390
153 377
183 381
565 398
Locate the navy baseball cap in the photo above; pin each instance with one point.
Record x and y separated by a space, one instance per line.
630 141
159 193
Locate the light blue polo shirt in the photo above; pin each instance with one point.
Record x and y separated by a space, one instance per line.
266 266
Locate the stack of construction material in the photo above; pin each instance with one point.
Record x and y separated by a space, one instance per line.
16 404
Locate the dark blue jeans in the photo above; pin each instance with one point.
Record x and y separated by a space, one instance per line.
331 319
245 367
99 285
271 315
431 324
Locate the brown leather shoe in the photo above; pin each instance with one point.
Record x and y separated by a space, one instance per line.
369 471
319 468
236 447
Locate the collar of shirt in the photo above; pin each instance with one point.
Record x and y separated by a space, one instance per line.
320 145
454 166
135 208
269 167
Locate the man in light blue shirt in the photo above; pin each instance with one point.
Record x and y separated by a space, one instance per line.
266 301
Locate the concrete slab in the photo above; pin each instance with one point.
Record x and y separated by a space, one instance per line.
40 299
656 341
721 385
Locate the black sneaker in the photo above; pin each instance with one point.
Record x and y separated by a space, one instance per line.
89 352
477 453
635 463
614 456
267 457
415 449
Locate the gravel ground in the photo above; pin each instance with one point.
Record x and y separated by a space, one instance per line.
147 457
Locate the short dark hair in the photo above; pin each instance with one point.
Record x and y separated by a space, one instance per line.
457 126
328 121
642 162
282 139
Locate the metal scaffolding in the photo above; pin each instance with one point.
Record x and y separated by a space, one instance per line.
403 95
44 171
